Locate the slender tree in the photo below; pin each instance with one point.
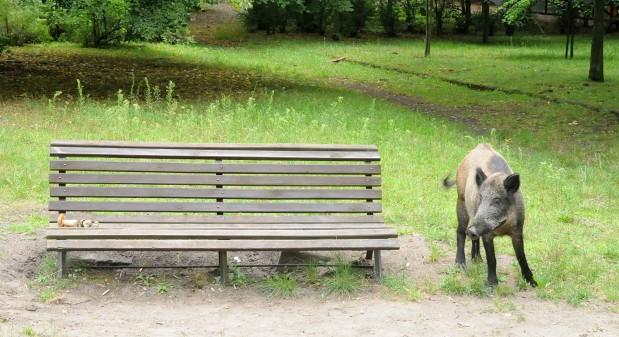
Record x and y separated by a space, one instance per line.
426 53
596 66
485 10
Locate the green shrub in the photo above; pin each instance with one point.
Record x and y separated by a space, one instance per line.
21 22
273 15
97 23
105 22
335 18
159 20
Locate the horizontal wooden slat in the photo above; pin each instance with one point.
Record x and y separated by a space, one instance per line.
166 167
225 219
231 245
107 206
261 226
190 179
124 144
212 193
114 152
167 234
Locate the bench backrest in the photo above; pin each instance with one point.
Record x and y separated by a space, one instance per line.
176 184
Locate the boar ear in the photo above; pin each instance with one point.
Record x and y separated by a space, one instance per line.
512 183
480 176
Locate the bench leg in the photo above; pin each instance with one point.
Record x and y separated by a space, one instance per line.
223 267
378 267
368 254
62 264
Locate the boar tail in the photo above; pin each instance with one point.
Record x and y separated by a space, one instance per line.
448 183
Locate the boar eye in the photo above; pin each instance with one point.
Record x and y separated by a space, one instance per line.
496 201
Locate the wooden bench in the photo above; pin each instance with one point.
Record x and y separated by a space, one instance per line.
217 197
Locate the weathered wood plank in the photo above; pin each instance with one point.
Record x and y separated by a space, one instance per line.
228 245
113 152
111 206
227 219
191 179
167 167
176 226
247 234
213 193
228 146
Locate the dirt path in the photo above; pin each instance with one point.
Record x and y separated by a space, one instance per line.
243 313
414 103
205 22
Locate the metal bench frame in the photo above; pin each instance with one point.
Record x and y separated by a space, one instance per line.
315 197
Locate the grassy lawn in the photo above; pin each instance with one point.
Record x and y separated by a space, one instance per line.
529 64
569 178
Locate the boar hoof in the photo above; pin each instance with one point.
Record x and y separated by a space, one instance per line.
461 265
491 283
532 282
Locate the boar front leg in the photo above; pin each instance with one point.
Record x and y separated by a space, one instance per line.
463 222
490 259
518 243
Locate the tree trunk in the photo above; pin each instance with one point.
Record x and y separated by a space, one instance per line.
465 25
439 20
568 35
410 16
467 14
95 36
426 53
596 66
485 9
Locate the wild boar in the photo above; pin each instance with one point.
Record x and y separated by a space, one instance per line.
489 204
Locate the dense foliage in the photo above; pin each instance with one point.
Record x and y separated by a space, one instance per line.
93 22
326 17
21 23
335 18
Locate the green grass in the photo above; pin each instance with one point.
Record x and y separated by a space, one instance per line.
344 281
163 286
30 332
435 252
563 261
569 172
280 285
472 281
237 277
312 275
232 32
145 280
529 63
32 224
45 281
402 286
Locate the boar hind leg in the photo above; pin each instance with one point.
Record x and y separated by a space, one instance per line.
491 259
463 222
518 244
475 255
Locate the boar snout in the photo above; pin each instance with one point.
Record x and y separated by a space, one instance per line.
472 233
